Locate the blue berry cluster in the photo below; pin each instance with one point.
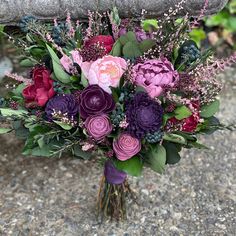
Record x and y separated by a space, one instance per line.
188 53
126 93
57 87
25 21
117 116
154 137
59 33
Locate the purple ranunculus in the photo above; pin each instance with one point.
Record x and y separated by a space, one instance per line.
98 126
144 115
114 176
65 104
94 101
155 75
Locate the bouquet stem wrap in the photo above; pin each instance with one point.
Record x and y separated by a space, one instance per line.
113 192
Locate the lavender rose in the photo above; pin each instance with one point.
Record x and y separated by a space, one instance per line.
98 126
126 146
65 104
94 101
155 75
144 115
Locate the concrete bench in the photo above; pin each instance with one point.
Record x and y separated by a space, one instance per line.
12 10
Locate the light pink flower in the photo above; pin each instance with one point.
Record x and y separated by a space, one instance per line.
126 146
98 126
76 57
155 75
105 72
67 63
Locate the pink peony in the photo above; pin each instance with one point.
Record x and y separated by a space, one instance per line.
105 72
155 75
126 146
98 126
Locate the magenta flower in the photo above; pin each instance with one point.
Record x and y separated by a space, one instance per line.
98 126
155 75
126 146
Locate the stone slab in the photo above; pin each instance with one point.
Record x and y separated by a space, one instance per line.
12 10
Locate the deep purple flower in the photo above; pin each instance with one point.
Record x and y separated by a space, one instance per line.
144 115
94 101
65 104
114 176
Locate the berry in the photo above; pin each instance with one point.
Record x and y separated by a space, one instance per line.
117 116
154 137
59 33
25 22
188 53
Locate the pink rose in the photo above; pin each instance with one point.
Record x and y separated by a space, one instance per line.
126 146
155 76
98 126
105 72
77 58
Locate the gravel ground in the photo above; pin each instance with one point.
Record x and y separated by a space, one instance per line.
50 197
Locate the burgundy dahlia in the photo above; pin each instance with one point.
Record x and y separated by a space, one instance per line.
94 101
65 104
144 115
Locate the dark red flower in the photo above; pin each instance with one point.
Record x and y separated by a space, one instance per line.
105 41
41 90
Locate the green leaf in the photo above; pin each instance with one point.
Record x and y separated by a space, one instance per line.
132 166
10 112
18 90
84 80
182 113
117 49
210 109
123 39
147 44
197 35
156 159
131 36
172 153
41 142
175 138
131 50
166 117
26 63
2 28
63 125
149 24
60 74
80 153
5 130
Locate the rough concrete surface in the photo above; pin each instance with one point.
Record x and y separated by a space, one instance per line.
48 197
11 11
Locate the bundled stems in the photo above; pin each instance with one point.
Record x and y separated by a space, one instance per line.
111 203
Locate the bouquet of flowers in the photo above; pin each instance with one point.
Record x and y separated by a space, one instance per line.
129 93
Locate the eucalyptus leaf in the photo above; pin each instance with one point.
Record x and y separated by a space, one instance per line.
117 49
26 63
80 153
5 130
175 138
10 112
147 44
131 50
60 74
156 159
210 109
182 113
63 125
131 166
172 153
